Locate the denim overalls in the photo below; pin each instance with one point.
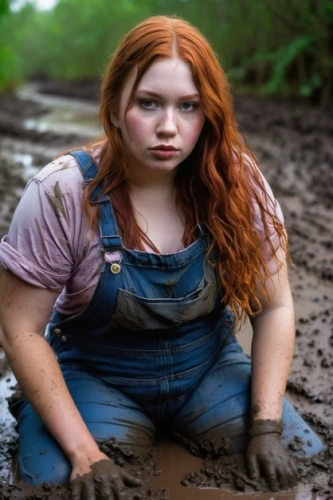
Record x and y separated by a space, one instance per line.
155 344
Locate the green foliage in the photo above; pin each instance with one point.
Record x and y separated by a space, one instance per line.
280 61
10 72
4 7
304 63
273 47
308 87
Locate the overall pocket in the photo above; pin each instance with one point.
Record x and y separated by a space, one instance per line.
140 313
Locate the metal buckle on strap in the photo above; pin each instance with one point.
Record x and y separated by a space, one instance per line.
109 244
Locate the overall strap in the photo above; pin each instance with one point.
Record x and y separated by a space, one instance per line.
111 241
86 163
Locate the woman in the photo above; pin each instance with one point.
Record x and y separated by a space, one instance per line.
141 296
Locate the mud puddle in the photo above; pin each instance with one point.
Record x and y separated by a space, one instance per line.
64 115
176 464
33 130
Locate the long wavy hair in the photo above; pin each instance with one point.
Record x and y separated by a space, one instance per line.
216 185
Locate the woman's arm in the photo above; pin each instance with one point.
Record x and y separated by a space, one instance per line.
272 353
272 346
24 313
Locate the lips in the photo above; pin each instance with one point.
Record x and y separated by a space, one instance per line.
163 152
164 147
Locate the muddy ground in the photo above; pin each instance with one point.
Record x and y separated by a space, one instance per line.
294 146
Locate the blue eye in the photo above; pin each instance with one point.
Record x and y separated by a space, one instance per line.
148 103
189 106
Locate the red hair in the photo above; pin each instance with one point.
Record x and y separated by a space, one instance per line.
216 184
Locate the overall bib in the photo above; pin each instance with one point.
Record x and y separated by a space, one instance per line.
153 347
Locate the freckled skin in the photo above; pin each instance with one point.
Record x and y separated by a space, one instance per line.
160 114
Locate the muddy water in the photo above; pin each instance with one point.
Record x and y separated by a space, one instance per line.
175 463
64 115
295 151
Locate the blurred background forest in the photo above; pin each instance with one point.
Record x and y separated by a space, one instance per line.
279 47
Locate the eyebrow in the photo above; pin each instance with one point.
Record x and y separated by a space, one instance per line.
155 94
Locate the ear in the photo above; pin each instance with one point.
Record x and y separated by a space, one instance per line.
115 118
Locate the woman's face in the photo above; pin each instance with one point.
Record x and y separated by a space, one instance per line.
162 126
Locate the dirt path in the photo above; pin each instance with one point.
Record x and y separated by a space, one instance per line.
294 146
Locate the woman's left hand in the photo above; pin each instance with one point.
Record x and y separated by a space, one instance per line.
266 454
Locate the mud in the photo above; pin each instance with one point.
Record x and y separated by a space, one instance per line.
81 89
140 471
294 147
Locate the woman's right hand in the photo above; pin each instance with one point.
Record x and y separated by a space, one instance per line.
103 479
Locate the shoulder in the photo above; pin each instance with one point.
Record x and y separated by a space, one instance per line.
261 191
61 182
63 170
49 234
53 197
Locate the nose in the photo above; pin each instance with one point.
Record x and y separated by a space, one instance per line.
167 125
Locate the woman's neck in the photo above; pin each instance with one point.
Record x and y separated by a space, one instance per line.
152 195
157 187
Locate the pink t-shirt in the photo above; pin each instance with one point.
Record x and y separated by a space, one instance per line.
51 245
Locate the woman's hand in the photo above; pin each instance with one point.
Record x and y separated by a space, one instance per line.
266 454
101 478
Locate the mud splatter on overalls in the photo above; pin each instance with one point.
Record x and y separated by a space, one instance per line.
154 345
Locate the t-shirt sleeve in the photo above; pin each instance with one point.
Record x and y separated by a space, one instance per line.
274 207
40 245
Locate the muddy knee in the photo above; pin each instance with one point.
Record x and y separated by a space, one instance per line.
223 439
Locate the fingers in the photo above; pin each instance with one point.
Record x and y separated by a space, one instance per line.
136 495
286 480
118 487
283 480
130 495
106 485
288 477
122 491
104 488
130 480
266 454
75 487
274 465
277 478
293 472
88 490
82 489
253 467
271 476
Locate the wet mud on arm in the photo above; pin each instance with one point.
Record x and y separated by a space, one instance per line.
24 312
